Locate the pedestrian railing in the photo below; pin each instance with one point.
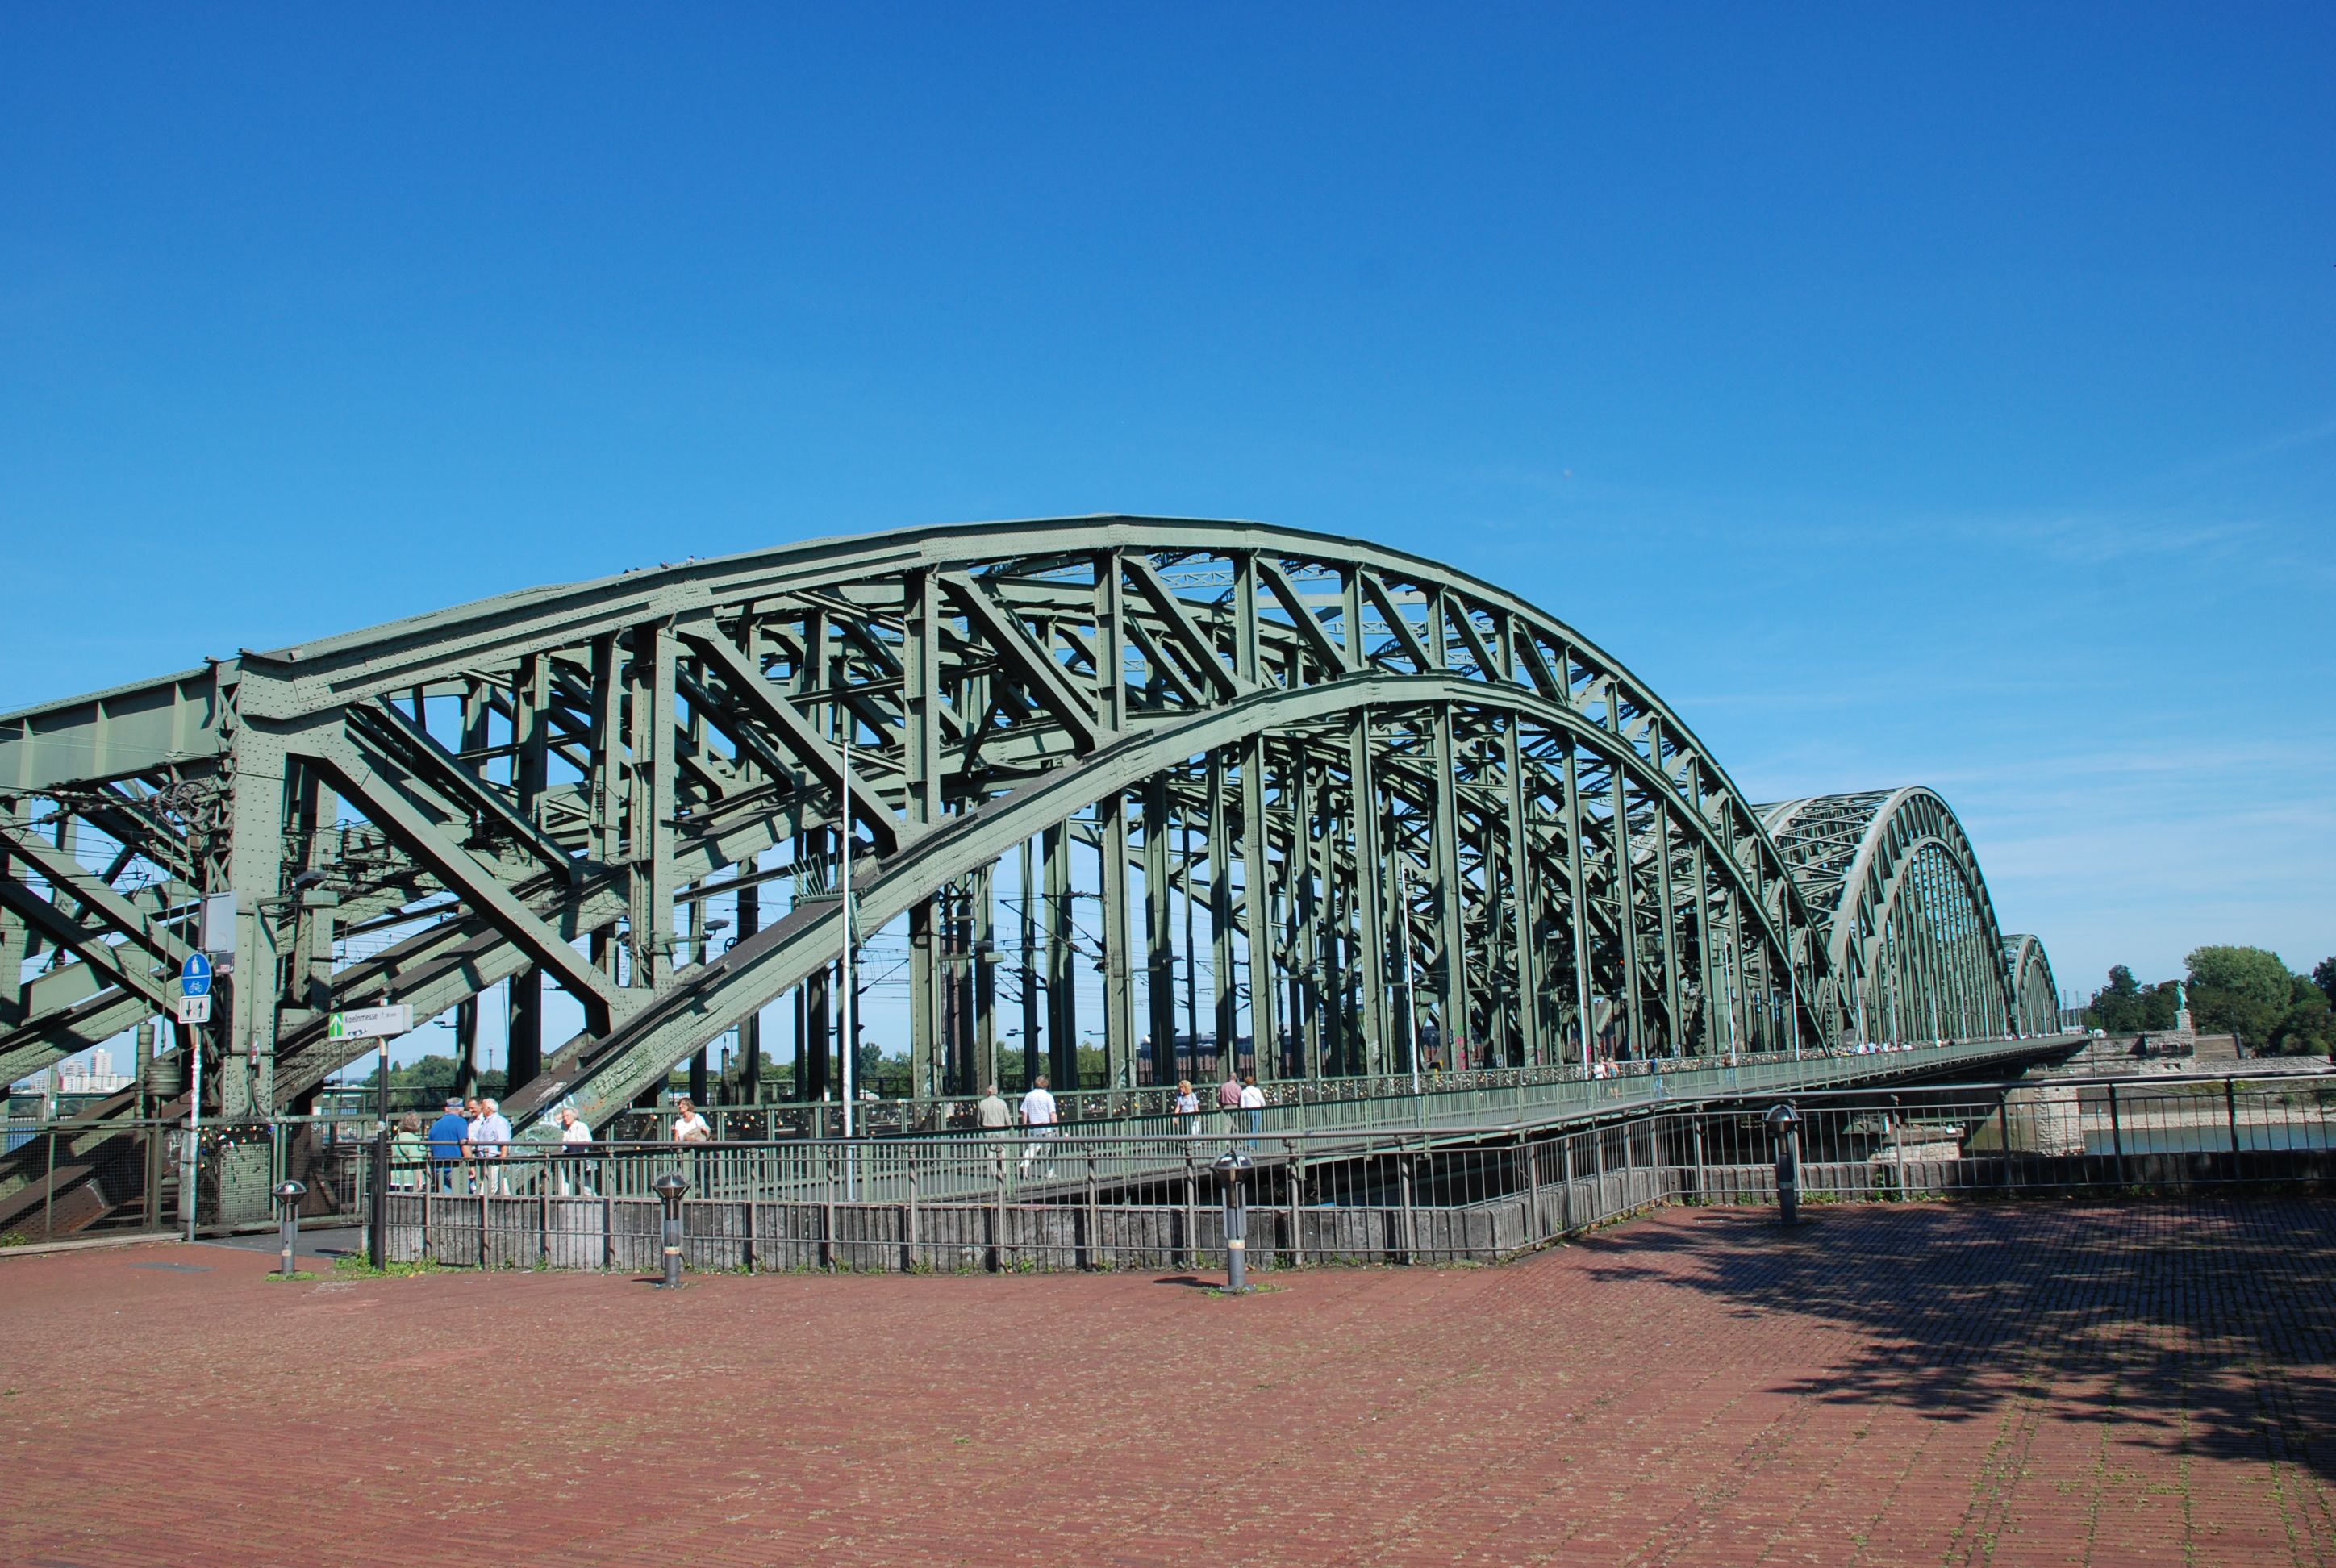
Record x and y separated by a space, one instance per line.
1086 1200
59 1176
1375 1101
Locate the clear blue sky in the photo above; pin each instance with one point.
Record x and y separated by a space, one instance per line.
1937 395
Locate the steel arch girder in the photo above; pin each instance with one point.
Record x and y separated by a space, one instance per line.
2030 970
605 1073
1879 904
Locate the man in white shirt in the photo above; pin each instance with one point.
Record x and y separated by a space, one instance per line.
1252 1104
1038 1114
490 1138
576 1138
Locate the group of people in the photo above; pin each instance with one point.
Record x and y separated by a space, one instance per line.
463 1150
1238 1092
467 1149
1041 1117
1039 1114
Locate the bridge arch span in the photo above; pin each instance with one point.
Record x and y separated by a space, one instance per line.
1147 788
1909 931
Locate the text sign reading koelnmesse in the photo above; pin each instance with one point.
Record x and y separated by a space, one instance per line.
372 1023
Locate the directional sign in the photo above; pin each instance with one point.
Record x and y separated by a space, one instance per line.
194 976
372 1023
195 1009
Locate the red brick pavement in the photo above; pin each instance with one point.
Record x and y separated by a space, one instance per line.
2138 1384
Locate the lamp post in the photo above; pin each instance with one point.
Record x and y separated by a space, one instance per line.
287 1222
1784 1126
669 1187
1232 1170
845 996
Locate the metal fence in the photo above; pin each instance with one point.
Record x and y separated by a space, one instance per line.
1092 1201
1477 1171
1301 1105
72 1175
2092 1134
88 1175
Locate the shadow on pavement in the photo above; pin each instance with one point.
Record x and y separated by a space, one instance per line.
2208 1324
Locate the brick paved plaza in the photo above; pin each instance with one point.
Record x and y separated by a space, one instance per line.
2140 1384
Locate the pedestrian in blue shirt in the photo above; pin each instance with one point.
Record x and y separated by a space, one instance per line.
448 1134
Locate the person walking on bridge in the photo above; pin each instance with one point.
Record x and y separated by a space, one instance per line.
1039 1115
691 1130
1188 1109
575 1139
1252 1106
992 1116
688 1127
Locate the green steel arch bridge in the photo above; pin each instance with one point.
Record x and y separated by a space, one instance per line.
1404 811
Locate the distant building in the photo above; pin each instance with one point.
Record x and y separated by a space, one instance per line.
92 1075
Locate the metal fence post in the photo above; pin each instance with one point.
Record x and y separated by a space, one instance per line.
2003 1135
1191 1211
998 1228
827 1212
1093 1258
909 1259
1410 1221
2231 1111
2116 1136
378 1206
1293 1159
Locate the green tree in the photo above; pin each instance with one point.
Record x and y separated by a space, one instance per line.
2125 1007
2323 975
2240 991
2115 1007
2308 1027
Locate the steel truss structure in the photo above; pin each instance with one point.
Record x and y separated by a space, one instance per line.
1910 933
1407 812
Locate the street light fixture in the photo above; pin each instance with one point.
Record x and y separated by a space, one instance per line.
1784 1126
669 1188
287 1222
1234 1171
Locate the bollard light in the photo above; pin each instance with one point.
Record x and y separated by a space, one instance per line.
669 1187
1784 1126
1233 1170
287 1222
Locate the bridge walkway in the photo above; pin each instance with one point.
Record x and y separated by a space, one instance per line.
974 1166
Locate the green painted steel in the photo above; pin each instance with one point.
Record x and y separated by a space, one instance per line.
1334 763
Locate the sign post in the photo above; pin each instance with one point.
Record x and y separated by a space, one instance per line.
381 1023
377 1227
194 1011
